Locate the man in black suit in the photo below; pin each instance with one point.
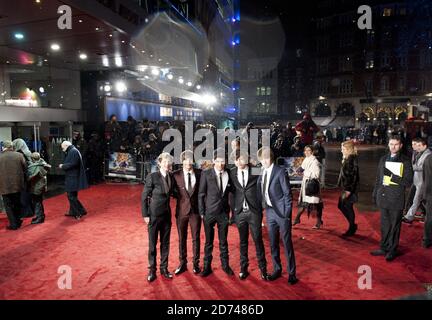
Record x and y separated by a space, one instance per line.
389 196
274 192
186 186
247 212
75 179
214 208
156 212
427 174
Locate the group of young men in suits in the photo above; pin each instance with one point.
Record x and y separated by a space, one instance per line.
208 197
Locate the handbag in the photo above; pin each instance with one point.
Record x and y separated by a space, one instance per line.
312 187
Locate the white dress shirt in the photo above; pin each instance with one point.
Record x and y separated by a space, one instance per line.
240 176
266 194
240 179
193 178
225 178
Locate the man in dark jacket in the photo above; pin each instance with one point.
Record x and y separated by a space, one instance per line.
427 174
394 175
37 176
247 213
12 171
75 179
156 211
213 204
186 186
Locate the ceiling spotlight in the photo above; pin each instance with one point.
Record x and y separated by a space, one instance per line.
142 51
46 60
198 87
41 90
170 76
107 88
121 87
155 72
83 56
146 77
97 29
123 41
208 99
189 84
80 21
38 1
180 80
105 61
55 47
110 35
159 60
19 36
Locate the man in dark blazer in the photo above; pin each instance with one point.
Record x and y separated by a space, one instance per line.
75 179
12 182
156 212
247 212
186 186
427 189
214 208
274 192
389 196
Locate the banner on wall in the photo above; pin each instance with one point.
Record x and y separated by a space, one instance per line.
122 165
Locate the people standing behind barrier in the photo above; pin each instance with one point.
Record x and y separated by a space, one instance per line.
12 182
306 128
348 181
37 177
95 159
310 201
320 154
113 134
421 152
297 148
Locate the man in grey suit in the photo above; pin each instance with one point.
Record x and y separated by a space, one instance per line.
274 192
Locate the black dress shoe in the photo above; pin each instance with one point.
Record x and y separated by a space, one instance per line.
68 214
243 275
151 276
206 272
390 256
228 270
38 220
292 279
407 221
13 227
274 275
351 231
264 275
182 268
78 217
196 270
166 274
378 252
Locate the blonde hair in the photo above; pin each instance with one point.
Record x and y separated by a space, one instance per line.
265 152
350 147
163 156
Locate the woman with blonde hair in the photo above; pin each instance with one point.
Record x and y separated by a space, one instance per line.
348 182
311 174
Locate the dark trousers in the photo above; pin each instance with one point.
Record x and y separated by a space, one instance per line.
221 220
346 206
280 227
427 238
391 221
159 226
194 220
12 205
245 221
37 206
75 206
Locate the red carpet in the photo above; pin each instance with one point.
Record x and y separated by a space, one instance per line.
107 252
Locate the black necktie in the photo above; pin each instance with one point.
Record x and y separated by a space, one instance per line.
221 184
189 190
264 202
244 184
167 180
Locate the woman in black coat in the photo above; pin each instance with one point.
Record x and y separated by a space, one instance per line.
348 181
